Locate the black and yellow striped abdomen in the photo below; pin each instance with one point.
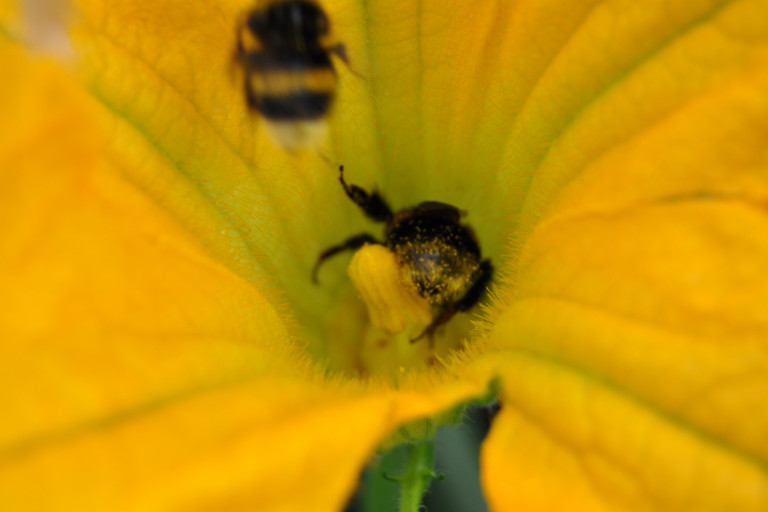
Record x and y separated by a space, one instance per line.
291 93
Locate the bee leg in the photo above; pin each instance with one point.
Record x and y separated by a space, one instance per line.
240 46
482 277
351 243
253 101
446 313
239 57
340 50
373 205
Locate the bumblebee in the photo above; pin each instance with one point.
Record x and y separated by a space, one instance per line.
437 254
284 50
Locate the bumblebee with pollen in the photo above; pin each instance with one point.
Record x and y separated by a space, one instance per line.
285 52
437 256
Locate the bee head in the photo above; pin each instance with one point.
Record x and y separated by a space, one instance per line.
285 23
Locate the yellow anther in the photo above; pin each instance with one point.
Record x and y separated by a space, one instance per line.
392 304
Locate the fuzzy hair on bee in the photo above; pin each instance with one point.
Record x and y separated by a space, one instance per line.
284 48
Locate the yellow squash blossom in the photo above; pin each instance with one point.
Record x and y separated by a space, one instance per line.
163 346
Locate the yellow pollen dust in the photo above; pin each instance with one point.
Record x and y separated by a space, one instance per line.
393 305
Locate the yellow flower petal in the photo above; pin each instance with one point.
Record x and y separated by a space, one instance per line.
633 344
661 307
242 446
566 439
137 309
139 373
618 146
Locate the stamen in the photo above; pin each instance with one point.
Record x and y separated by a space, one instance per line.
393 305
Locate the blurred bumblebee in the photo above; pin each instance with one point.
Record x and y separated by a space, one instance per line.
284 49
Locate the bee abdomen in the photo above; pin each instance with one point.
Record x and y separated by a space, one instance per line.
293 95
293 107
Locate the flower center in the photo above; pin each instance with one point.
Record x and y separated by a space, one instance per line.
397 308
384 288
377 318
